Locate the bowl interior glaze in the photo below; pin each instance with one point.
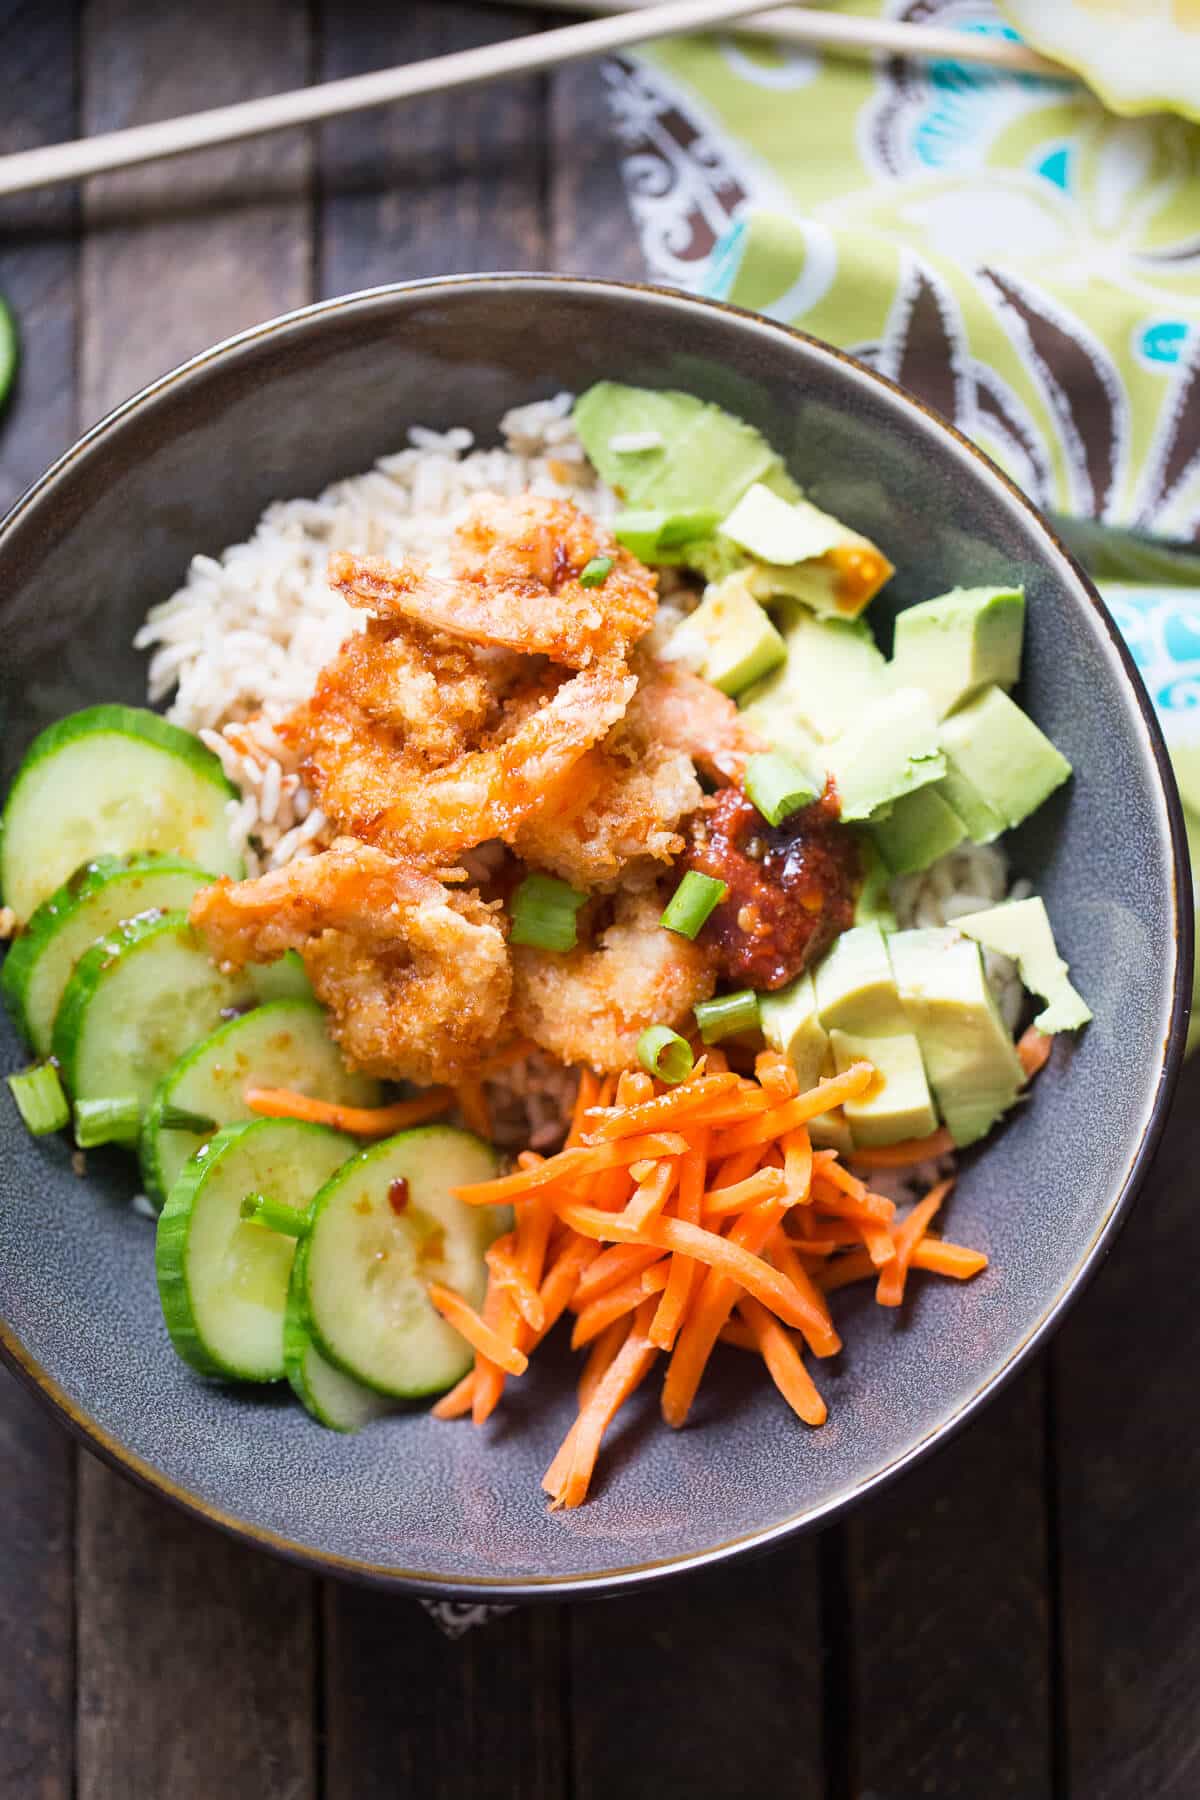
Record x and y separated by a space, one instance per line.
188 466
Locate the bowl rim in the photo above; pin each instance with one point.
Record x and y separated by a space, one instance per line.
623 1579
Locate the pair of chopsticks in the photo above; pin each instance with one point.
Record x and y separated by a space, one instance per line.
635 22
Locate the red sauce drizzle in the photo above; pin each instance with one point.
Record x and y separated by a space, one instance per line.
398 1194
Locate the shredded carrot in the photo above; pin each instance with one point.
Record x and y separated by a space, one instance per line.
776 1075
585 1098
357 1121
735 1168
616 1302
739 1334
499 1315
627 1369
669 1316
712 1307
600 1356
780 1119
941 1258
558 1287
666 1109
506 1268
827 1166
878 1240
535 1222
817 1328
906 1153
765 1184
1033 1049
889 1290
651 1194
457 1403
571 1165
616 1264
634 1087
874 1208
798 1166
468 1323
473 1105
784 1362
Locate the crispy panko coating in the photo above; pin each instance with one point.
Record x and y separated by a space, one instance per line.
679 711
417 978
593 1004
516 584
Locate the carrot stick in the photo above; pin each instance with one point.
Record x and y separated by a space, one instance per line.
634 1087
725 1254
826 1164
856 1265
480 1335
775 1075
906 1153
739 1334
611 1266
619 1380
1033 1049
798 1166
457 1403
941 1258
779 1119
818 1328
669 1316
559 1285
889 1290
874 1208
585 1097
502 1259
665 1109
711 1308
651 1195
784 1363
599 1358
570 1165
500 1314
358 1121
879 1242
735 1107
472 1104
765 1185
736 1168
599 1314
535 1221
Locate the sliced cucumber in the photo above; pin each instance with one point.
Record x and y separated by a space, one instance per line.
137 1000
107 781
283 1044
332 1398
373 1245
286 979
223 1280
98 896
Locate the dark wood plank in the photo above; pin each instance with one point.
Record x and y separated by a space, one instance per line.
591 232
952 1636
1129 1474
706 1685
410 1712
435 186
38 276
197 1659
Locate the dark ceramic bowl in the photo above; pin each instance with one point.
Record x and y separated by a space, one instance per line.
188 465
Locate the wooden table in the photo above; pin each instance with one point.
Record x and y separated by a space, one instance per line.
1019 1616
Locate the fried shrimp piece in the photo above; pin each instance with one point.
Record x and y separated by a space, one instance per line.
678 710
417 978
592 1005
516 584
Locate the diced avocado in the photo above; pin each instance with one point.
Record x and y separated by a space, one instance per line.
833 671
997 750
856 990
740 643
920 828
898 1103
874 903
802 551
1021 929
774 530
660 537
791 1023
969 1056
981 822
890 750
960 642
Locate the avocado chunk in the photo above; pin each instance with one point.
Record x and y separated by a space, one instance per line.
997 751
739 642
874 903
959 643
969 1056
920 828
898 1103
1021 929
792 1024
856 989
981 822
890 750
774 530
833 671
800 551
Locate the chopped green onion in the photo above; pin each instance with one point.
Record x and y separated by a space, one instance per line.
653 536
543 913
275 1215
40 1100
691 903
178 1118
596 572
727 1015
106 1122
778 785
663 1053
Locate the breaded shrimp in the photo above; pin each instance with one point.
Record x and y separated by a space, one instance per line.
681 712
417 978
517 584
592 1005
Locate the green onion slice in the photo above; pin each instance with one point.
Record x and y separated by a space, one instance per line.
106 1122
40 1100
596 572
664 1054
727 1015
178 1118
276 1215
778 785
692 902
543 913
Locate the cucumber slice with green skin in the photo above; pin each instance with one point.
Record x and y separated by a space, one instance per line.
367 1264
106 781
283 1044
98 896
137 1000
223 1280
333 1399
286 979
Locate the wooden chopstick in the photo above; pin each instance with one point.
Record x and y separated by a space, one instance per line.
28 169
844 34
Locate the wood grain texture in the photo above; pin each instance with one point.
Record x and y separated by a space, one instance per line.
1129 1475
180 254
591 232
952 1634
410 1712
708 1685
435 186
